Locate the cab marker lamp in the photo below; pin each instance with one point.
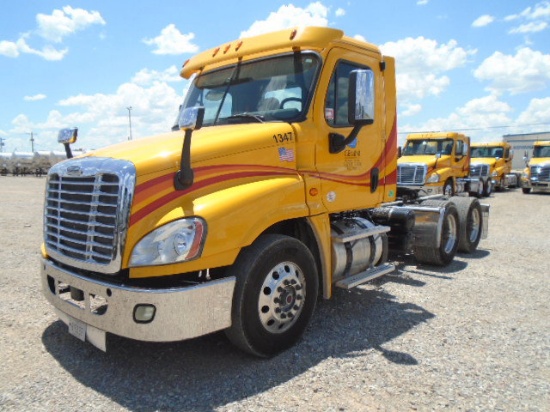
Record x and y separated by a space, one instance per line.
174 242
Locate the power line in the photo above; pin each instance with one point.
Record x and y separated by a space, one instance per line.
480 128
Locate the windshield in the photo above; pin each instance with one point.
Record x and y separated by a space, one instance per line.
487 151
273 89
428 147
541 151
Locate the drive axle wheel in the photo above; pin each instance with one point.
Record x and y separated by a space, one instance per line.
470 219
275 295
448 245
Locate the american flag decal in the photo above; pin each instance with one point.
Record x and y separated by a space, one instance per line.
286 155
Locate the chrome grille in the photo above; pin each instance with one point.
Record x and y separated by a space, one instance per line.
542 173
411 174
86 212
479 170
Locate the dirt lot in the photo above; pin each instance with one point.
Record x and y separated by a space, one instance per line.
472 336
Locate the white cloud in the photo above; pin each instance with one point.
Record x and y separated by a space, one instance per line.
422 63
422 2
477 118
410 110
35 98
528 70
483 21
147 77
340 12
8 48
315 14
53 28
535 18
172 41
532 27
538 112
67 21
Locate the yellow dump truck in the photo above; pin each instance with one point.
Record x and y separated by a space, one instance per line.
536 176
437 163
277 186
497 157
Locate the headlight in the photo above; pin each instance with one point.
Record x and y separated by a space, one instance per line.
174 242
434 178
494 174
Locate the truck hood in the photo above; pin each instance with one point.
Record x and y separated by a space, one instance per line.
491 161
226 144
428 160
540 161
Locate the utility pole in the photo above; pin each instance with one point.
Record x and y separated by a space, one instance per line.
2 144
130 121
32 140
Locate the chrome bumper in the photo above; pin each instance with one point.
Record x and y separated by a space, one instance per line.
180 313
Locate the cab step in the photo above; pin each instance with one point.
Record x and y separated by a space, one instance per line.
368 275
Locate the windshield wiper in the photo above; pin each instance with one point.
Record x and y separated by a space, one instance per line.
257 117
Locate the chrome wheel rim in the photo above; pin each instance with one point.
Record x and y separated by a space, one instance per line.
282 297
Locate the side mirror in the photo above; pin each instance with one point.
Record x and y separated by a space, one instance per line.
68 137
361 97
360 108
191 118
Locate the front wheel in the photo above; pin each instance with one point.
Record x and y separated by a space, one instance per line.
275 295
448 188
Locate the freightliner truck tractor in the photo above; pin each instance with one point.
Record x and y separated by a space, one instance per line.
278 186
536 176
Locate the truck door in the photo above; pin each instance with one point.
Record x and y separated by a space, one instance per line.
350 178
461 158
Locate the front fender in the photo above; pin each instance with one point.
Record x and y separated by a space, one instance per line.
235 217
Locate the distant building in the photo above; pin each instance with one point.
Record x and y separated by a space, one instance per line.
522 145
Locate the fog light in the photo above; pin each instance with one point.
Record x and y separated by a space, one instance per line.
144 313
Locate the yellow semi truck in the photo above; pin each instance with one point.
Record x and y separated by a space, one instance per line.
438 163
278 185
536 176
498 157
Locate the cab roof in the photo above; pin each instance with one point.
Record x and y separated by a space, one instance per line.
311 38
436 135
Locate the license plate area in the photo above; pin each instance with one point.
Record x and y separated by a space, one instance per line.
77 329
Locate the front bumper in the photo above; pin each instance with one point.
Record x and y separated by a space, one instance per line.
180 313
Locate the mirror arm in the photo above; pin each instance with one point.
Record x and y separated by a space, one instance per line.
68 151
185 176
337 142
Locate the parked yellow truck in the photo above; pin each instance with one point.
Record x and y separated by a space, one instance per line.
278 185
497 156
536 176
438 163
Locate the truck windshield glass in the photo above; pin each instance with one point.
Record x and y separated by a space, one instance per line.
541 151
274 89
488 151
428 147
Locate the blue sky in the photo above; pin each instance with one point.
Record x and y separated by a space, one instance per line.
478 66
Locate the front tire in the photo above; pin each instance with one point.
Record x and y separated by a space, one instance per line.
275 295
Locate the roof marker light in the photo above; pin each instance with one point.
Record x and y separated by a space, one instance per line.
293 34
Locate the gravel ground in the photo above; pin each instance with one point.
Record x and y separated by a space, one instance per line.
472 336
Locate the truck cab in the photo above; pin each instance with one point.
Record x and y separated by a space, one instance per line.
434 164
536 176
277 186
497 156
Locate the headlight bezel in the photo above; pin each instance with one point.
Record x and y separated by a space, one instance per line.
178 241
